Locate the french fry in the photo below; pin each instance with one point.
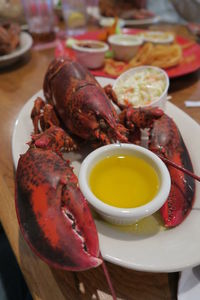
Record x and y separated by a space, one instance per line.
162 56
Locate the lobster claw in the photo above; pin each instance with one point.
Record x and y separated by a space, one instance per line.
53 215
167 140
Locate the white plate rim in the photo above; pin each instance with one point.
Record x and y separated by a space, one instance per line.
152 20
20 50
188 258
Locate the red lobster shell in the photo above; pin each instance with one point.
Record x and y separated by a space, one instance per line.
166 139
53 214
81 103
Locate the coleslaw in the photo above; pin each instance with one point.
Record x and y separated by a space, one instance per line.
141 88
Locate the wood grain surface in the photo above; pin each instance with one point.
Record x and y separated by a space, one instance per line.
17 84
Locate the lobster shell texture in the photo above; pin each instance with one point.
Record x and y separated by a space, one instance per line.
81 103
54 216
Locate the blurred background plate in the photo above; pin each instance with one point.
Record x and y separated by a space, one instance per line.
108 21
24 46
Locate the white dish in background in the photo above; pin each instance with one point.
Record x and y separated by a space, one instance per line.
92 58
108 21
148 21
125 46
158 37
159 251
25 45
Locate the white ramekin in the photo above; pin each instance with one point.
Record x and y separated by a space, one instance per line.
92 58
156 37
124 216
125 46
161 102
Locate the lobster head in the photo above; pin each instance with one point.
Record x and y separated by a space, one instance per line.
81 103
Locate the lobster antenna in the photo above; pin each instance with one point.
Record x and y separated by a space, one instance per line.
108 278
171 163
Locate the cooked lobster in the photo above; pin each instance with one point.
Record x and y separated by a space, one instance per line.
53 214
81 103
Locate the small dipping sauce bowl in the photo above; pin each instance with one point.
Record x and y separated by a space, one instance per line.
90 53
125 46
121 215
145 86
157 37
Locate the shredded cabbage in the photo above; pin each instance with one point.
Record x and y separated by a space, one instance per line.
141 88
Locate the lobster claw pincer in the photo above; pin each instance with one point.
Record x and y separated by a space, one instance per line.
53 214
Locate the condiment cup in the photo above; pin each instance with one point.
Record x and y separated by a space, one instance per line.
125 46
124 216
158 37
91 57
161 101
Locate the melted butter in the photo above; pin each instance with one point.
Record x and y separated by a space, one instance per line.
124 181
145 227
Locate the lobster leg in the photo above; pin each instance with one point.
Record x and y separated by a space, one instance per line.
43 116
135 119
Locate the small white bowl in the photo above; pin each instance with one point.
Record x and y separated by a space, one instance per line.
161 101
125 46
92 58
124 216
158 37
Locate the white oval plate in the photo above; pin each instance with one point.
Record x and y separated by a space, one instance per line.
164 251
25 45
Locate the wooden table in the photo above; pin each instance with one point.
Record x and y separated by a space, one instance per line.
17 85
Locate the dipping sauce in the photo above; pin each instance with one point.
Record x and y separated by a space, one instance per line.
124 181
126 39
90 45
141 88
